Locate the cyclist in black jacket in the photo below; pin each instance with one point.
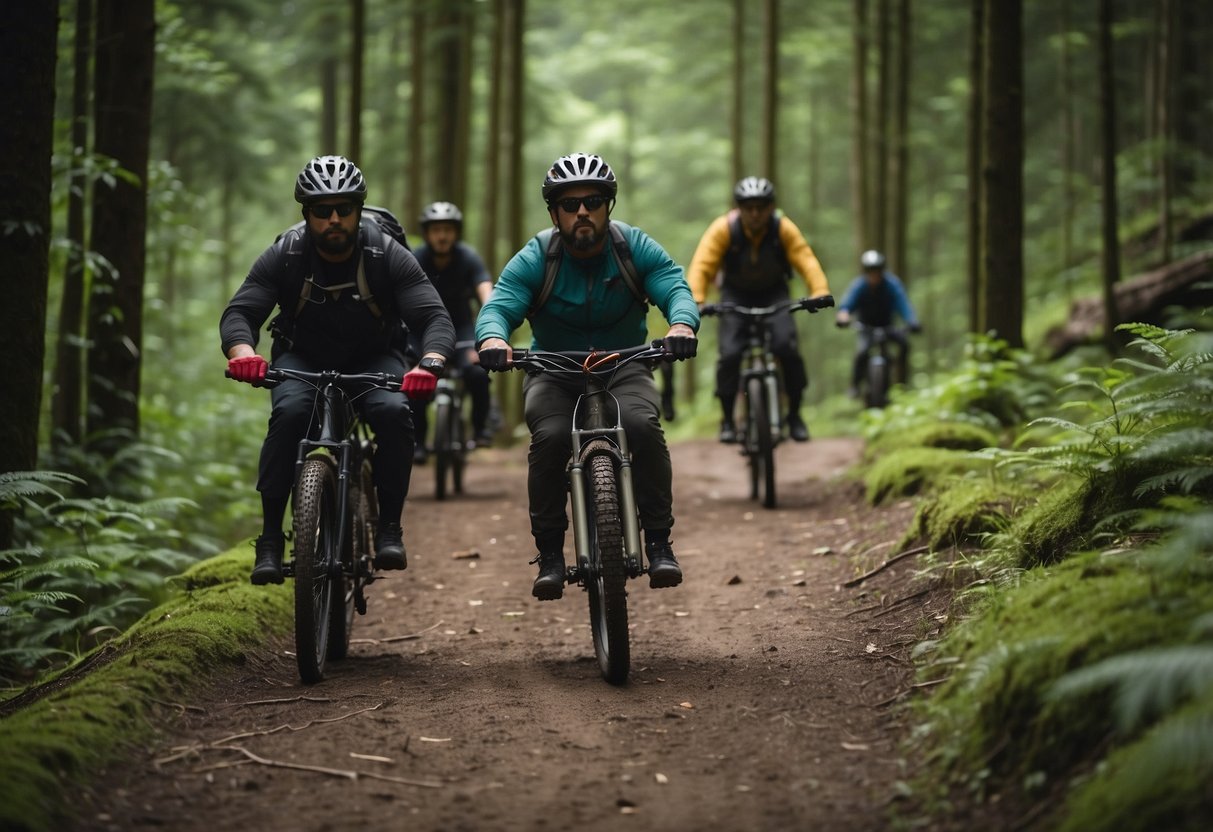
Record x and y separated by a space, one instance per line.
338 328
461 278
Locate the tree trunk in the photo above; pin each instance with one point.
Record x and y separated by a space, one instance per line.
447 42
1067 147
328 94
879 146
67 396
492 144
358 47
415 186
770 89
900 158
737 123
463 113
125 51
975 198
1165 103
1111 238
1002 210
859 122
27 52
516 129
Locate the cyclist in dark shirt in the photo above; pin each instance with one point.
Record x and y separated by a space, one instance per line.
338 328
873 298
460 277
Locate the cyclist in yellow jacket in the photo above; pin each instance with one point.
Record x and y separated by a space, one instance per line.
750 253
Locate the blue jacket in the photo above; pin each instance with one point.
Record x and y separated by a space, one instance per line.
590 306
876 306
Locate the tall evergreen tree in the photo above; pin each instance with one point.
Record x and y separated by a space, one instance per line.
27 52
125 50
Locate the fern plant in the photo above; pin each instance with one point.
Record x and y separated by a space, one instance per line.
86 569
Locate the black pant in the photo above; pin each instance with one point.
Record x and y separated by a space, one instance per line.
549 405
293 407
784 346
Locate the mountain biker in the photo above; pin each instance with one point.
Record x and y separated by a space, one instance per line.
459 275
335 330
754 249
874 297
590 308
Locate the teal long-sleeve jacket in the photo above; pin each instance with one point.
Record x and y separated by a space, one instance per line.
590 307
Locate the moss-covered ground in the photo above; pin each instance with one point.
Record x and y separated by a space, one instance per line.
58 738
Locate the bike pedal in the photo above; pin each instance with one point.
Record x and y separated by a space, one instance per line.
288 570
572 575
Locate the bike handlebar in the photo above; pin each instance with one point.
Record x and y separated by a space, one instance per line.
810 304
580 361
276 375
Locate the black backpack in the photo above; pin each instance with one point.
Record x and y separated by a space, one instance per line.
620 250
377 223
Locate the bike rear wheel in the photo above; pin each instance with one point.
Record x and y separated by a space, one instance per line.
606 582
760 444
317 553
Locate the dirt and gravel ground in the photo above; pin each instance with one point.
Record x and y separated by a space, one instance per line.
761 694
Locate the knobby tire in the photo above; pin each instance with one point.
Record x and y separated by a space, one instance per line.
761 444
607 582
878 382
316 548
443 450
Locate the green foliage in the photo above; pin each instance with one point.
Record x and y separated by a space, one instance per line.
909 471
1087 660
962 509
97 563
57 738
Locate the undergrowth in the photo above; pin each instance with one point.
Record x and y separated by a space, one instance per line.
71 727
1080 674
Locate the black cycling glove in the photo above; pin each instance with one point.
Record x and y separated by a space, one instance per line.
681 346
494 359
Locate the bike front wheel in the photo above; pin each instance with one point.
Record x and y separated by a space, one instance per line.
606 583
317 554
443 451
877 382
760 444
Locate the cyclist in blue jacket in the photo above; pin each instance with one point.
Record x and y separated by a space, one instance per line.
590 307
874 298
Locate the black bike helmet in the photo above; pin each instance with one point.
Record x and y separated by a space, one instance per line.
328 176
579 169
872 259
754 187
442 212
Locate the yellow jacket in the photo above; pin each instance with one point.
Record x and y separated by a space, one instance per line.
709 256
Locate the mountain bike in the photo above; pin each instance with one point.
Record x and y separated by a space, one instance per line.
606 524
760 388
450 445
334 514
879 373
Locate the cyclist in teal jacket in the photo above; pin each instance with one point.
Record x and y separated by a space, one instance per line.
590 307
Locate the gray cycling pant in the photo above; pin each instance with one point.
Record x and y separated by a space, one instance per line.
549 403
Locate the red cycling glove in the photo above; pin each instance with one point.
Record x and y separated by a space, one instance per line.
419 384
249 368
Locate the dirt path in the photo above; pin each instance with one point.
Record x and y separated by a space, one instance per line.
758 697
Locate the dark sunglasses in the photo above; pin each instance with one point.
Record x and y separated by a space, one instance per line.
325 211
592 203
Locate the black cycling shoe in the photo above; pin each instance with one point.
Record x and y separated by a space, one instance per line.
664 570
728 432
389 547
797 428
267 565
549 586
420 454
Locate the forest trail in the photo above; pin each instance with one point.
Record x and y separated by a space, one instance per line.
760 695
